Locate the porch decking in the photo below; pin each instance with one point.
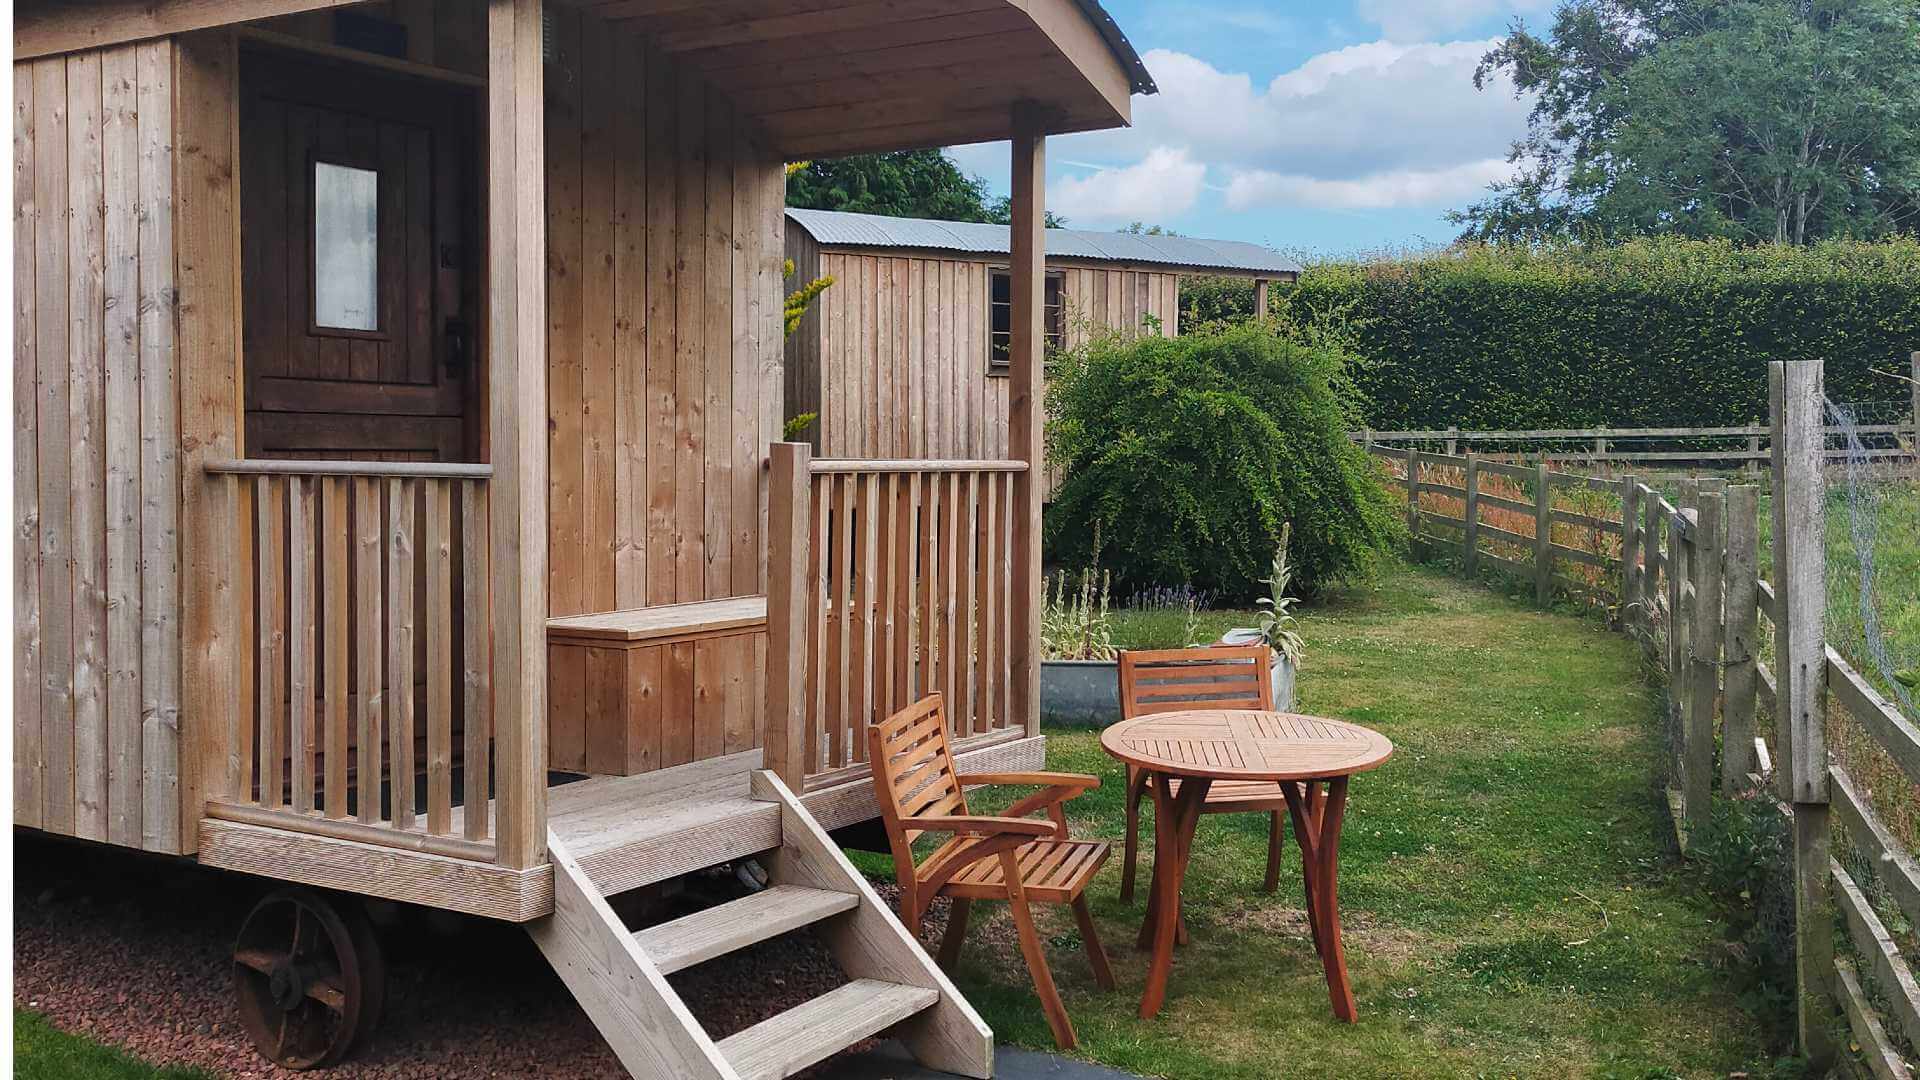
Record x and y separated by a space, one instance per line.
625 831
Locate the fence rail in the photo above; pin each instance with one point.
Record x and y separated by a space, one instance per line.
1684 578
898 582
364 662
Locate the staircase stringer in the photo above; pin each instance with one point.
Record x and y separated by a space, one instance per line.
642 1018
870 942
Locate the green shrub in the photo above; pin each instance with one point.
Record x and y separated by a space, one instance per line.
1648 333
1183 457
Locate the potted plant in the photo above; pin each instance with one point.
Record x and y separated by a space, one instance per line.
1277 629
1079 681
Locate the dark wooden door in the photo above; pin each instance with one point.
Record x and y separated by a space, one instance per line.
358 248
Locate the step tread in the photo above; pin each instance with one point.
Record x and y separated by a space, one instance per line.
703 935
816 1030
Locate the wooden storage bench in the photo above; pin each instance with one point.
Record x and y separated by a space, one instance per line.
642 689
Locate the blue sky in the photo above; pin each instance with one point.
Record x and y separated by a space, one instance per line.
1334 128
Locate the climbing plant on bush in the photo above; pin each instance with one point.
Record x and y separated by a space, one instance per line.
1183 457
1646 333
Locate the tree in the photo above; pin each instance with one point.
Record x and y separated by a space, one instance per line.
1781 121
904 183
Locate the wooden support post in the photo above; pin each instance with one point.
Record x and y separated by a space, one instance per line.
1740 573
1913 390
1260 300
1631 540
1453 441
1703 658
517 417
1470 514
1413 501
1542 536
1798 399
789 529
1025 412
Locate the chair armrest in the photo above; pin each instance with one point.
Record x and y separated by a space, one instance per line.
979 825
1078 781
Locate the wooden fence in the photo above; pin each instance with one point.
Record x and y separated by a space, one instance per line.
363 660
1684 578
891 580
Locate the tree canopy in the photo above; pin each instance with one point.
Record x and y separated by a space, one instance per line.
904 183
1784 121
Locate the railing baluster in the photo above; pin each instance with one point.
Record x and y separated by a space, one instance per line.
906 508
400 557
840 652
818 598
985 643
246 524
930 578
439 630
968 714
300 683
333 639
950 641
369 640
866 668
270 629
476 656
888 587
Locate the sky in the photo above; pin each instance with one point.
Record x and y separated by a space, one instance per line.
1336 127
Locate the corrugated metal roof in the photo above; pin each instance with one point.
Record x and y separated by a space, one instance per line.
837 228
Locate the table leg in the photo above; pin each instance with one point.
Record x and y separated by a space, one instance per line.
1175 818
1319 821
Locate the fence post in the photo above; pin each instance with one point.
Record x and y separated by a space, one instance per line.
1413 501
1740 571
1913 388
1453 440
1799 558
1650 544
1470 515
1542 536
789 559
1630 546
1703 656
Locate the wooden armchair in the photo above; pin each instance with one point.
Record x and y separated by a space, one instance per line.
1009 857
1167 680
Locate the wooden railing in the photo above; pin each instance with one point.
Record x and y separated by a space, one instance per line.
363 661
888 581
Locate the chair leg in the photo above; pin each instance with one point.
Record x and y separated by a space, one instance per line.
1090 937
1034 951
949 956
1136 787
1276 843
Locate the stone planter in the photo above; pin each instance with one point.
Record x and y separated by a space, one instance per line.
1086 693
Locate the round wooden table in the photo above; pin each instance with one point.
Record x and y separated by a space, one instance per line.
1311 758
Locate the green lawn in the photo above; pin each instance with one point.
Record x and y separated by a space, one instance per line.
1511 902
43 1052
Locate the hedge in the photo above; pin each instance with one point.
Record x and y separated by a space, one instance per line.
1644 334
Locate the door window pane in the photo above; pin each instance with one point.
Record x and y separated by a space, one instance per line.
346 256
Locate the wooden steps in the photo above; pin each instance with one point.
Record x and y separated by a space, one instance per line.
619 976
719 930
812 1032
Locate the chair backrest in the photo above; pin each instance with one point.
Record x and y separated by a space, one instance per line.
913 773
1166 680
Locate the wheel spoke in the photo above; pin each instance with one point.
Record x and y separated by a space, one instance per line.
260 960
327 991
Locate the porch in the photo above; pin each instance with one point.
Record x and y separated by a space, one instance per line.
411 677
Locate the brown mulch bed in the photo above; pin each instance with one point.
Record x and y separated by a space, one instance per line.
134 951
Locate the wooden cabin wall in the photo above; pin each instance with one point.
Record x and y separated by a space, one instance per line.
664 225
802 347
894 355
96 448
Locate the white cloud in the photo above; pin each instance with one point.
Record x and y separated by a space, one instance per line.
1160 186
1379 124
1419 20
1411 187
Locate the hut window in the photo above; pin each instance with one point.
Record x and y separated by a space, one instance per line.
1000 316
346 251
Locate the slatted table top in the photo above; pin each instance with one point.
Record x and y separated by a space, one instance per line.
1246 744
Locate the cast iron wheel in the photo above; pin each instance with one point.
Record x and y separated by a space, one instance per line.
308 979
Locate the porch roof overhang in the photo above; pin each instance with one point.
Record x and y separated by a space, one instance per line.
825 78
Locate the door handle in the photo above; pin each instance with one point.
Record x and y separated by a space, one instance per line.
456 360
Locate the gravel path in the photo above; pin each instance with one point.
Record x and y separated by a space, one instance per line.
133 950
